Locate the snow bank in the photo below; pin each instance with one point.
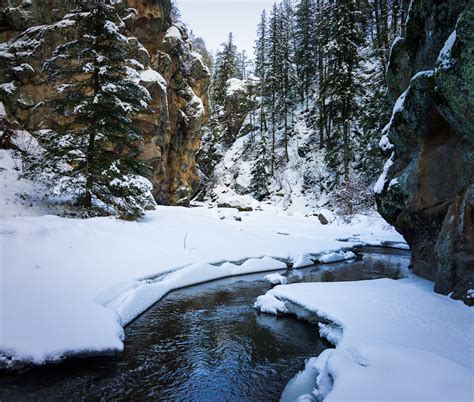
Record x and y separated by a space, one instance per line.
336 256
69 284
395 340
276 279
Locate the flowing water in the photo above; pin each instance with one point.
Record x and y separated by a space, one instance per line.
202 343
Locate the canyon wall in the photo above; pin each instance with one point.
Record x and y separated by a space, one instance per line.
172 72
427 188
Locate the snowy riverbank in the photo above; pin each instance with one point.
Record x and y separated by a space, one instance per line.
395 340
70 285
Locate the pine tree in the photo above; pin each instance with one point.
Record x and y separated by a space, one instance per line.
288 93
258 183
347 36
306 45
93 155
261 67
225 68
243 62
273 81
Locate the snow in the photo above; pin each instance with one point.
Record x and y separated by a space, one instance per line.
8 87
380 184
150 75
394 340
81 281
275 279
397 108
302 260
445 59
173 35
235 85
385 143
3 112
336 256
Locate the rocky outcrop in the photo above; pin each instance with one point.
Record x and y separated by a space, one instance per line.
228 122
427 188
174 75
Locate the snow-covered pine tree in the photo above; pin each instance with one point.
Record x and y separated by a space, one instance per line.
258 182
243 61
93 154
290 79
306 46
261 68
343 87
226 66
274 77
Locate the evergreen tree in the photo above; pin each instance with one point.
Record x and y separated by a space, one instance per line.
288 93
347 36
243 62
200 46
225 68
258 184
273 75
261 67
93 155
306 45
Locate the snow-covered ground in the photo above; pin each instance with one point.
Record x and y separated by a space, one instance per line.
395 340
68 286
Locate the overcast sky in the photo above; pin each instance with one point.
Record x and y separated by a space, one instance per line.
214 19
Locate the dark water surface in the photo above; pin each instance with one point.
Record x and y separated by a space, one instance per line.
202 343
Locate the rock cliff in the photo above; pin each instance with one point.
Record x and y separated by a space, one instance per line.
427 188
172 72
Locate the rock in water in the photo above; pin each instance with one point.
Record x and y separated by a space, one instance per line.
427 189
173 73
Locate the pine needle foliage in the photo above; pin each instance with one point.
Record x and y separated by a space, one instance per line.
92 152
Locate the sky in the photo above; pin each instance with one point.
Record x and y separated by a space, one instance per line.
214 19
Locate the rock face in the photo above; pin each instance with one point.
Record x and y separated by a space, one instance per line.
228 123
174 75
427 188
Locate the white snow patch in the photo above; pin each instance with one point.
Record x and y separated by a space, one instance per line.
3 112
173 35
235 85
445 59
380 184
8 87
336 257
276 279
395 340
303 260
